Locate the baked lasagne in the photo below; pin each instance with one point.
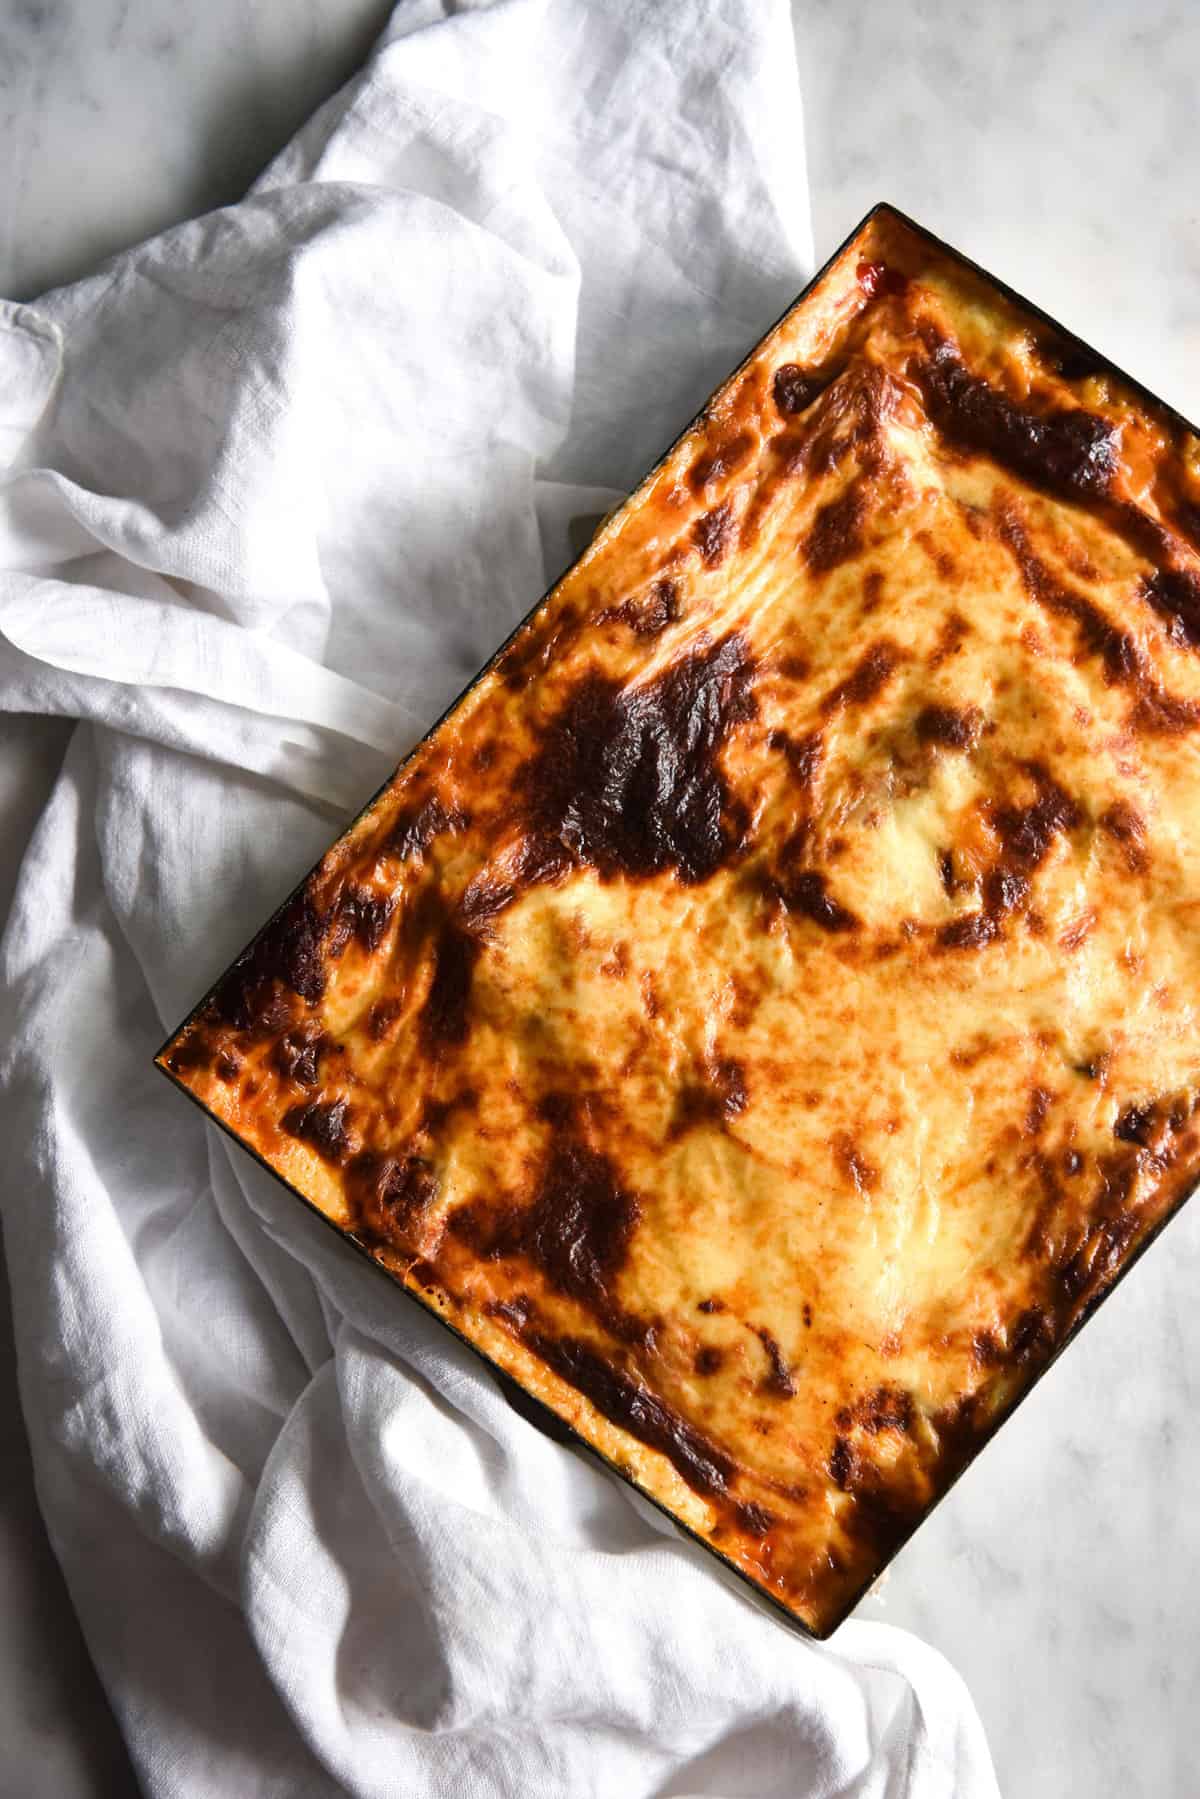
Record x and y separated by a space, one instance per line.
760 1017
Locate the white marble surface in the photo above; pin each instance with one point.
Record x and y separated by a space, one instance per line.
1055 143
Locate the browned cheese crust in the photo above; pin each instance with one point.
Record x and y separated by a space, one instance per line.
761 1016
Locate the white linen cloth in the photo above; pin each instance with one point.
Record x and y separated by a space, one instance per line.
271 487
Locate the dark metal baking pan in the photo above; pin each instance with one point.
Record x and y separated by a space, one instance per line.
534 1409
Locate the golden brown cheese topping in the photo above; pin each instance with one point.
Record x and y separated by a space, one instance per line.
761 1016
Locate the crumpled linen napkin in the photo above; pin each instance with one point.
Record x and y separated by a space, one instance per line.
271 487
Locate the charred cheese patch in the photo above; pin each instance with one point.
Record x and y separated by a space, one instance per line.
761 1017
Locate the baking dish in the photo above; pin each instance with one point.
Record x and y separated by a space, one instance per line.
756 1016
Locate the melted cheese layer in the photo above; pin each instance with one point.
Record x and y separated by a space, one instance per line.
761 1017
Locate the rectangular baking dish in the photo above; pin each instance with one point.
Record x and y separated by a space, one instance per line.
852 791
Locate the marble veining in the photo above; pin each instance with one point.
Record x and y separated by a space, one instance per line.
1055 143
